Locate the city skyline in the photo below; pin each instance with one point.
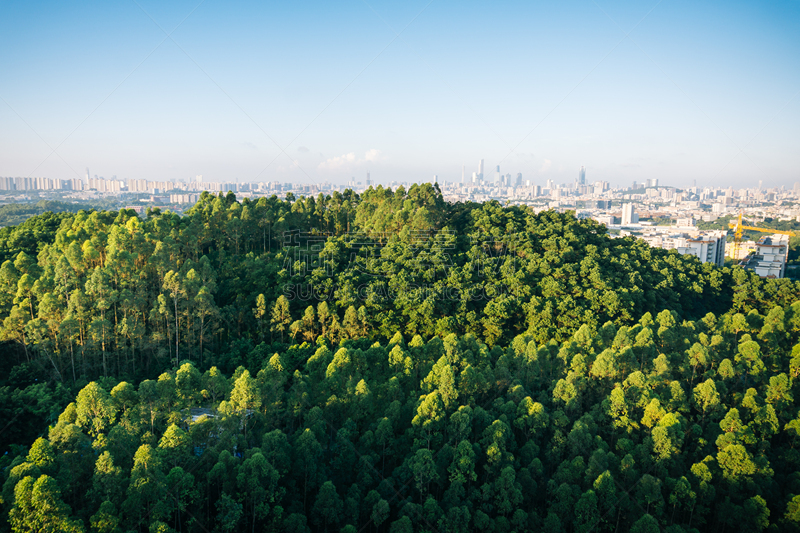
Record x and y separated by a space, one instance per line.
675 92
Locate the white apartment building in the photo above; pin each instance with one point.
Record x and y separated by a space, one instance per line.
608 220
104 185
708 247
769 259
629 215
39 183
183 198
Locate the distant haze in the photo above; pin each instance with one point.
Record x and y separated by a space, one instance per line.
696 91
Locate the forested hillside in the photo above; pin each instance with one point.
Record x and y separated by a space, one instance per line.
387 362
17 213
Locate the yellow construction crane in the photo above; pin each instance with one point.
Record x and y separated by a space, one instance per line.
739 228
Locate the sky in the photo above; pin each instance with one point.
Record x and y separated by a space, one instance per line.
314 92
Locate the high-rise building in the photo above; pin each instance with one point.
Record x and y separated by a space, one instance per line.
369 181
519 179
480 170
463 173
582 176
629 215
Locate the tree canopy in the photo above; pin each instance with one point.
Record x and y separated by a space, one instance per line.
391 361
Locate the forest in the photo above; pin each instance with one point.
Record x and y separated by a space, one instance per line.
387 362
16 213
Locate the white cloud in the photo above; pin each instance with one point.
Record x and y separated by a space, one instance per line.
546 165
350 160
340 161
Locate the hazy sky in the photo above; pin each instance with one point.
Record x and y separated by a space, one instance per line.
322 91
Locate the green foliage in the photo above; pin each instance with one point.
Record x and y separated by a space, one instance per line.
455 367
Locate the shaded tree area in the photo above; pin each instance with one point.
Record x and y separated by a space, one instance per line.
40 223
662 425
391 361
16 214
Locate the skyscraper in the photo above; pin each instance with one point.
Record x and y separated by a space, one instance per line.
480 170
629 215
582 176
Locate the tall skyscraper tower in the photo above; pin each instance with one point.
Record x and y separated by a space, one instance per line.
629 214
582 176
463 173
480 169
87 174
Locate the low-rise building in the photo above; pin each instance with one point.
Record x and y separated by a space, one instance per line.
183 198
769 259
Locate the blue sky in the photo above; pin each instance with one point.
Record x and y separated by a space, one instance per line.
322 91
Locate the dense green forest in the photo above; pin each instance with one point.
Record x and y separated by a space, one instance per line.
17 213
387 362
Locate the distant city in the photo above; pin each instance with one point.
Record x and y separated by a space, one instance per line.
664 216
